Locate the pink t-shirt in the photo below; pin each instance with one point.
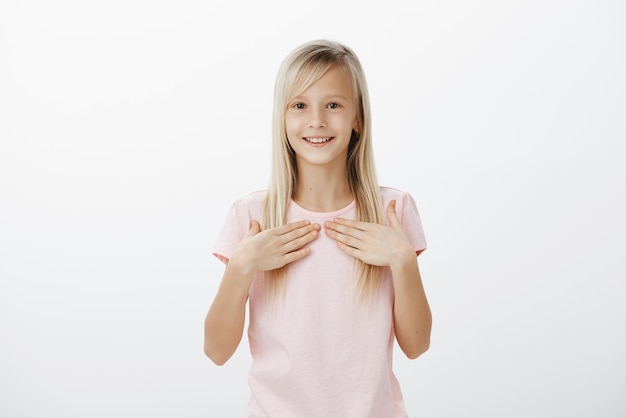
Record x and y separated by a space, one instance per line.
320 352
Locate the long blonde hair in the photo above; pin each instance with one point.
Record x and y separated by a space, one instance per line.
300 69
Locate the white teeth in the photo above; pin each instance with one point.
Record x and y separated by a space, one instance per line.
317 140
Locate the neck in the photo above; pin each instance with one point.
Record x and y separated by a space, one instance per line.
320 189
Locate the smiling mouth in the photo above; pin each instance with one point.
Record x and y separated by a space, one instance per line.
317 140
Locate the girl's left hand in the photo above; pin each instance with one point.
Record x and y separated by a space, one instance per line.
372 243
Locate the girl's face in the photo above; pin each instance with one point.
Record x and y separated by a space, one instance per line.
319 122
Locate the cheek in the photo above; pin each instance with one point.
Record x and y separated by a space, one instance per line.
290 139
289 124
292 127
290 133
343 122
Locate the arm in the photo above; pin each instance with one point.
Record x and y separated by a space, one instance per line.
411 312
223 325
381 245
257 251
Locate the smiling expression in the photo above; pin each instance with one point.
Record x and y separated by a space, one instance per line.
319 121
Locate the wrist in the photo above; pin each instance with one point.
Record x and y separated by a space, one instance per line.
406 260
239 272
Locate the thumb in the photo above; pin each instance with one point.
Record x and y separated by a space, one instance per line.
255 228
391 214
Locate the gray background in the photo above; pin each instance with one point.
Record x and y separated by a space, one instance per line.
127 128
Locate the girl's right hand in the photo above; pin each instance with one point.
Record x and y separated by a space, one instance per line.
275 247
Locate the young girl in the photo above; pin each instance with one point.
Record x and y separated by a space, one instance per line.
326 258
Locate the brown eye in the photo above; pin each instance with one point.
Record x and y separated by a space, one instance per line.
299 106
333 105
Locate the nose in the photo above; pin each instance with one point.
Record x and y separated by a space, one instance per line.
317 119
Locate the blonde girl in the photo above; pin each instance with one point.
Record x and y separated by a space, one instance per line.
325 257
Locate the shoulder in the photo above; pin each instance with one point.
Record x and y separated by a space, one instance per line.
253 199
249 206
405 204
408 215
390 193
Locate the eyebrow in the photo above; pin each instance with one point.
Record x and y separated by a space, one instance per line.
329 97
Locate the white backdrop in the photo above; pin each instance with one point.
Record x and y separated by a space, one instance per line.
128 127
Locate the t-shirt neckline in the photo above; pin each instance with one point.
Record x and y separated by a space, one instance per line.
332 214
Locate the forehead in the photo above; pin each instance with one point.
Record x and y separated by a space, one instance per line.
335 81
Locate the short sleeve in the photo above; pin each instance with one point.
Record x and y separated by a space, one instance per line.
411 222
235 227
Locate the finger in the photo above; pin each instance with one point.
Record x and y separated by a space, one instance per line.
292 226
298 233
346 239
296 255
351 251
301 241
391 214
344 229
360 225
255 228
